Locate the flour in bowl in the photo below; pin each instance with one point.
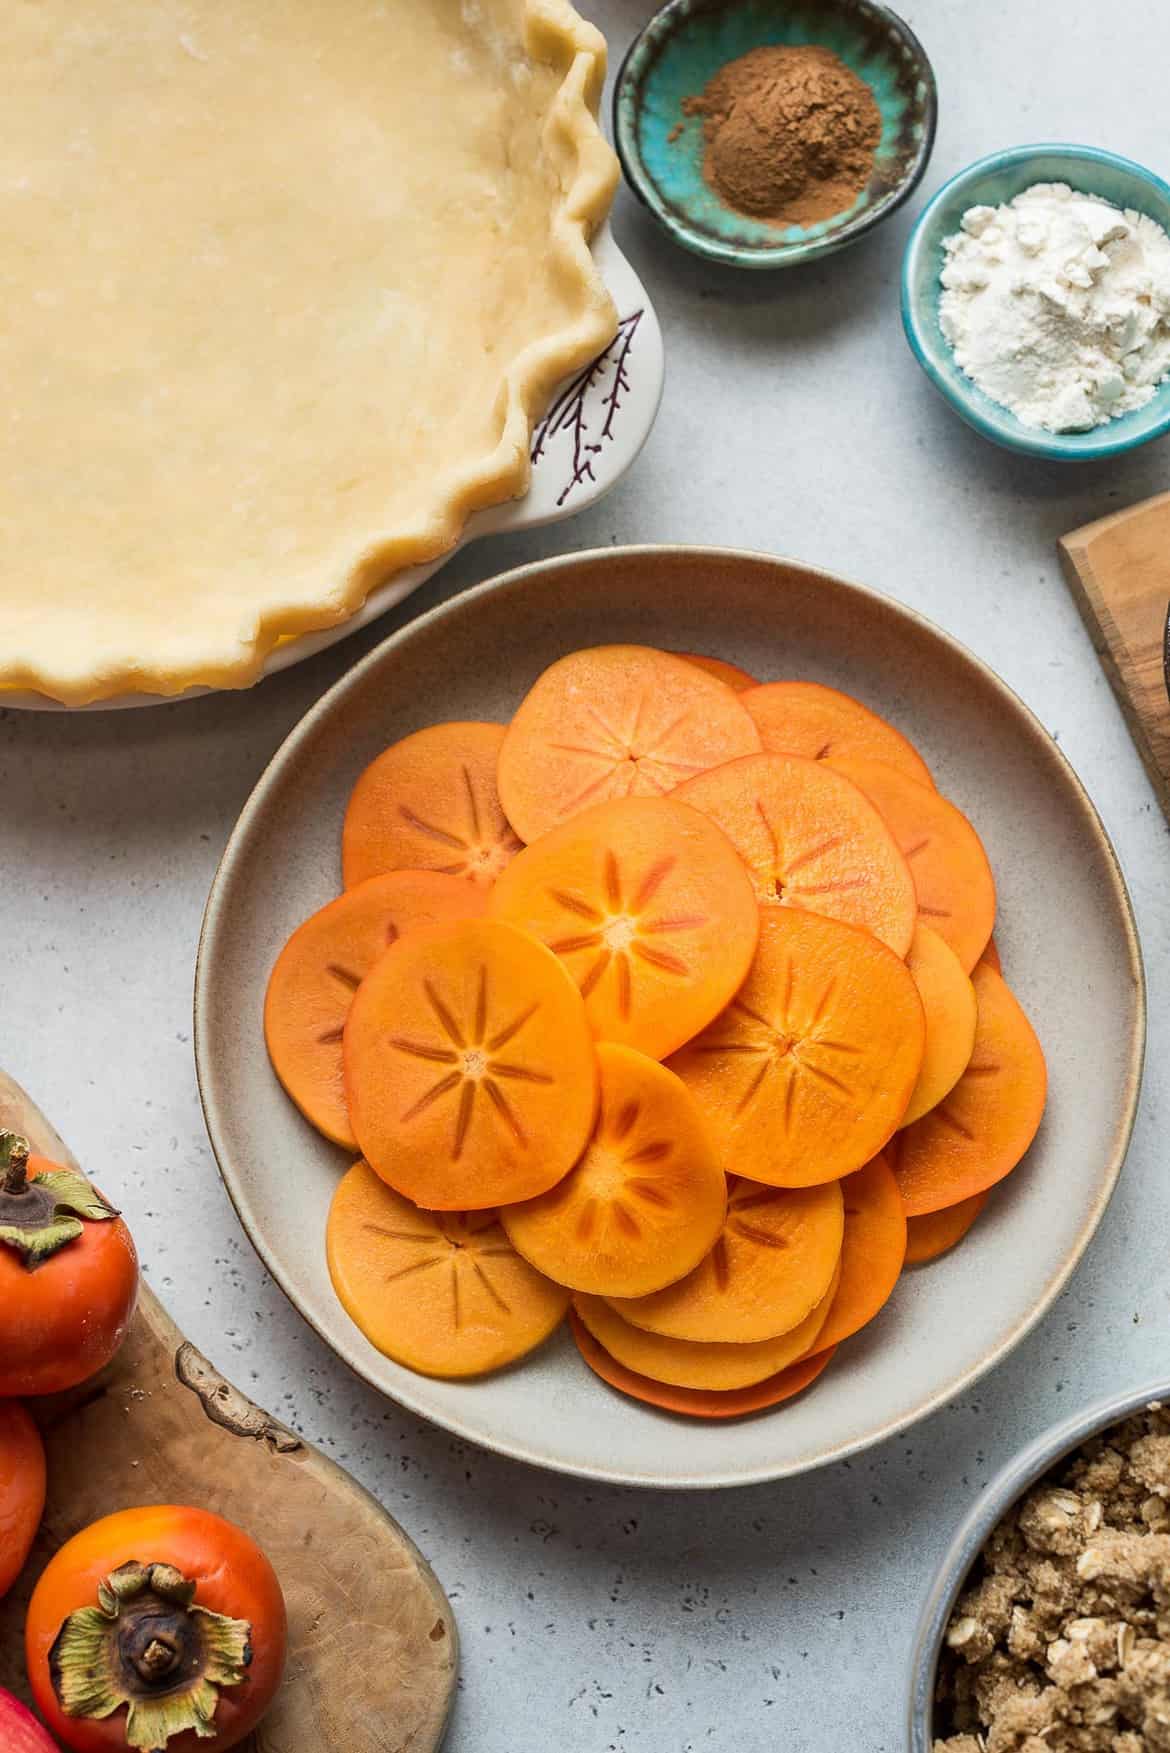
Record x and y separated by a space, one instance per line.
1058 306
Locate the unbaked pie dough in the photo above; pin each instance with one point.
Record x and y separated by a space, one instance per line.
283 285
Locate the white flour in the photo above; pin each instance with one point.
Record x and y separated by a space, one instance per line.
1058 306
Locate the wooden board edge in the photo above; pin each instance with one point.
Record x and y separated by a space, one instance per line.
232 1411
227 1406
1087 532
1076 564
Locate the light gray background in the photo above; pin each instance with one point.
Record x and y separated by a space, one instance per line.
794 420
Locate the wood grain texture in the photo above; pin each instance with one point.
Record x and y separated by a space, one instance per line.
373 1647
1119 572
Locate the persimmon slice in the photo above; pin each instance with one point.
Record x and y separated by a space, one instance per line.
469 1068
683 1363
937 1232
979 1132
649 907
806 718
948 1003
991 956
322 965
644 1203
952 875
872 1252
614 721
805 1075
698 1402
769 1269
430 802
443 1293
810 839
737 680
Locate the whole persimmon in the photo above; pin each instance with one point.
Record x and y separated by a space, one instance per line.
68 1274
22 1490
156 1628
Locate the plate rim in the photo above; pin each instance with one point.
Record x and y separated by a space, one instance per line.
302 731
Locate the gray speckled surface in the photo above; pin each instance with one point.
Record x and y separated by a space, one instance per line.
794 420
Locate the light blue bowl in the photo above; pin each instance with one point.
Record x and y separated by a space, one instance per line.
662 151
992 181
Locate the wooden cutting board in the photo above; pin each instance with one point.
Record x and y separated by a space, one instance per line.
373 1648
1119 570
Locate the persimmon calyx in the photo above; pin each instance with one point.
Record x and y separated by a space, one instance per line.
41 1213
14 1154
148 1645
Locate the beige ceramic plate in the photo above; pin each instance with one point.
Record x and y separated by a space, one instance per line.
1067 938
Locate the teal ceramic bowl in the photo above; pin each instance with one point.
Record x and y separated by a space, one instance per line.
992 181
689 40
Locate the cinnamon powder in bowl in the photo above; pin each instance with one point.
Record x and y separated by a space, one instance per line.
790 133
765 132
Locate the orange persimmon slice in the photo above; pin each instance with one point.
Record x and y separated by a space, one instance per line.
737 680
769 1269
322 965
430 802
470 1071
979 1132
697 1402
948 1002
614 721
805 1075
872 1253
644 1203
443 1293
806 718
810 839
685 1363
648 906
937 1232
991 956
952 875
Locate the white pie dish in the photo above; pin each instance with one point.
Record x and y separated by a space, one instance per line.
263 358
617 415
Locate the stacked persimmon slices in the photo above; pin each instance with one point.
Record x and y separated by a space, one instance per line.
672 1003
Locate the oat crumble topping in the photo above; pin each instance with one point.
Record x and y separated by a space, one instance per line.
1061 1641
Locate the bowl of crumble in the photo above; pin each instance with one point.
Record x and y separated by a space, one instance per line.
1048 1623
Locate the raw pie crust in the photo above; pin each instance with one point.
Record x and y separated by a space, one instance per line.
284 284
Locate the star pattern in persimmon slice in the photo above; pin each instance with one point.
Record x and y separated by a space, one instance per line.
322 965
429 802
809 1069
811 840
442 1292
773 1263
650 909
615 721
645 1201
469 1067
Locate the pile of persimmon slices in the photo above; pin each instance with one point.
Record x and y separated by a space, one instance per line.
671 1006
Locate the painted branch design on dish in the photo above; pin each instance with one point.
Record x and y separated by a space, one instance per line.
600 386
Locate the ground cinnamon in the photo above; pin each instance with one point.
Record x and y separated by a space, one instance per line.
790 133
